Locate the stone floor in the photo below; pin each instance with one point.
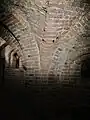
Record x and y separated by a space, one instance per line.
44 103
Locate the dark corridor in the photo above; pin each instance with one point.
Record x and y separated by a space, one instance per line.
85 69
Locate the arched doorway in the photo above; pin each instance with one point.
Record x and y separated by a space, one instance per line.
15 62
85 70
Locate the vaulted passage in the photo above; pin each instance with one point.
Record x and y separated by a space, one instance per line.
44 59
43 39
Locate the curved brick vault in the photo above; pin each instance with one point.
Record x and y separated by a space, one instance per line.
49 35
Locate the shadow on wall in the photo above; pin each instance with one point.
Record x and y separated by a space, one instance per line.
2 66
83 75
87 1
85 70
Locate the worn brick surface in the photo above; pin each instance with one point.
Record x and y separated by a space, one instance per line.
48 36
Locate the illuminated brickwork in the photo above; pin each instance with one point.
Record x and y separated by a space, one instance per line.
50 38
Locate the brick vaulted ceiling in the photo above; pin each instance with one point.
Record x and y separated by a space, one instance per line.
48 34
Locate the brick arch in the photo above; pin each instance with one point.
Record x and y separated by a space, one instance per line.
66 42
65 56
58 60
81 51
10 55
13 60
71 71
78 19
10 39
20 34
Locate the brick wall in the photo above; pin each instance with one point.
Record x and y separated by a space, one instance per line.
49 36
